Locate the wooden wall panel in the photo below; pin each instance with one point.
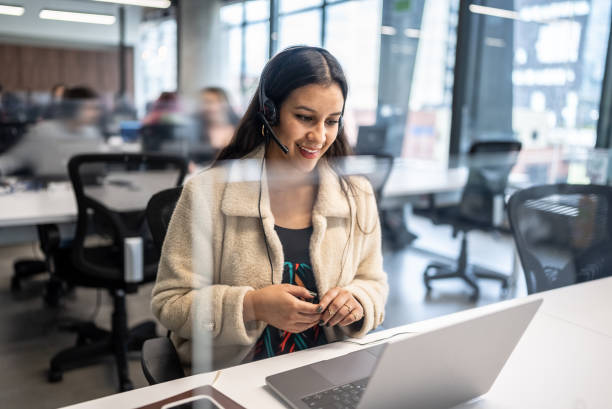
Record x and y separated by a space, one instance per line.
28 68
49 60
9 65
25 67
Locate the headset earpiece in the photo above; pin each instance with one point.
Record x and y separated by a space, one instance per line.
269 110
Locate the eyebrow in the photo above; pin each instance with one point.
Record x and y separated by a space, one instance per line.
313 111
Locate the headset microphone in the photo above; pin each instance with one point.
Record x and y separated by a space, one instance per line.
266 124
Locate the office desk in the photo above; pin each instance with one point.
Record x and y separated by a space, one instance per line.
58 205
564 360
30 208
406 181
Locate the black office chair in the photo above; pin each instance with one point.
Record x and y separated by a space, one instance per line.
159 359
112 191
490 163
10 134
563 234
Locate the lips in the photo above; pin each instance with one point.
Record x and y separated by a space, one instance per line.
308 153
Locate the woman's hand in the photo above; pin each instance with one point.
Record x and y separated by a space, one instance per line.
278 305
340 308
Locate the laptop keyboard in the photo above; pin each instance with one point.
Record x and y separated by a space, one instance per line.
341 397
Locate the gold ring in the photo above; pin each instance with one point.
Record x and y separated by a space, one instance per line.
348 308
331 314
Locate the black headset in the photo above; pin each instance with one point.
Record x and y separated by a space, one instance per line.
268 114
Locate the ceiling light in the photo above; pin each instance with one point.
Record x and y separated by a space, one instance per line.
495 12
11 10
160 4
77 17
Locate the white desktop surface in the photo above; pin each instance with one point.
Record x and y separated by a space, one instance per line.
58 205
30 208
407 180
562 361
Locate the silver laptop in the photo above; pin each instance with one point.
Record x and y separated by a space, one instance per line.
435 369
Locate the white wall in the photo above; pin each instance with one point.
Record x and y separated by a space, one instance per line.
31 28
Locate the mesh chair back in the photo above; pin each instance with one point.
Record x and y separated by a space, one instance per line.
490 163
112 191
563 234
159 212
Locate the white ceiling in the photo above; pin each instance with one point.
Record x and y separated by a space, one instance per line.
30 27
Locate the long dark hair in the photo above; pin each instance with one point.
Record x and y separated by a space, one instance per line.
287 71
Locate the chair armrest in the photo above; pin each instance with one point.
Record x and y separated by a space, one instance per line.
160 361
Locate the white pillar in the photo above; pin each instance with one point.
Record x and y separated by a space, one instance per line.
199 45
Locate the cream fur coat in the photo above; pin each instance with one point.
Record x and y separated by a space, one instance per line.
214 252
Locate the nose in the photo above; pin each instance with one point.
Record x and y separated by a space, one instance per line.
317 134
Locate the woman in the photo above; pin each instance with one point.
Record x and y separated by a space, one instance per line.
216 118
283 255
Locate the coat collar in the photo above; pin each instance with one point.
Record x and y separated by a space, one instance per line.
241 194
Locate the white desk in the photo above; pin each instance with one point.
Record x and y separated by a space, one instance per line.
406 180
31 208
58 205
564 360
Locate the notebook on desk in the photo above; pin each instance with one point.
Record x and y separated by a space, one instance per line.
429 370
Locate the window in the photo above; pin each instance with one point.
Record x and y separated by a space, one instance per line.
156 61
288 6
246 39
300 29
416 77
536 75
352 35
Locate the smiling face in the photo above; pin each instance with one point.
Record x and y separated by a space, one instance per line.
308 125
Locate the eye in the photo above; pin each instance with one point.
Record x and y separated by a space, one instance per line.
332 122
303 118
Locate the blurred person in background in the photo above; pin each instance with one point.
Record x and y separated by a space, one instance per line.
216 118
53 108
47 146
12 108
165 110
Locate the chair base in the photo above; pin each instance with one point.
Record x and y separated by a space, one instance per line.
93 344
470 274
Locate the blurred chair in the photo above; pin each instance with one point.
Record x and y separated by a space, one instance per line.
490 163
112 248
10 133
376 168
371 140
159 359
563 234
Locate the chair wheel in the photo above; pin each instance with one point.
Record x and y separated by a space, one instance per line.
126 385
55 376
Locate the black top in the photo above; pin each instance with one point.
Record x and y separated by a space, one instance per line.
297 271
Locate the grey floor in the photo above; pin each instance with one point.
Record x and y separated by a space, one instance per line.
30 334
